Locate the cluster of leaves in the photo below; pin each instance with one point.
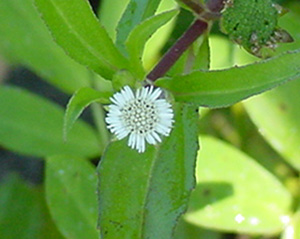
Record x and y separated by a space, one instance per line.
141 195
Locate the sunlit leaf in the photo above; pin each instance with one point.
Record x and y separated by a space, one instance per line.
280 125
236 194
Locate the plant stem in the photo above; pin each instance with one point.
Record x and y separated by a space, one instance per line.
173 54
214 7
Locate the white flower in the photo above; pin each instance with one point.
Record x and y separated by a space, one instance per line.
142 116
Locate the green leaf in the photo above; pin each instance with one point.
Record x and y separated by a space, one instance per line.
110 16
135 13
70 192
185 230
140 35
290 22
25 40
236 194
23 211
202 54
153 192
195 58
280 126
226 87
79 101
32 125
77 30
292 231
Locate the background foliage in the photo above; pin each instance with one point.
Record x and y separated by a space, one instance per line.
247 174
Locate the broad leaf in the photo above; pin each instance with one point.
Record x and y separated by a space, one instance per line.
77 30
236 194
292 231
79 101
23 211
140 35
226 87
185 230
32 125
71 196
151 189
135 13
280 126
25 40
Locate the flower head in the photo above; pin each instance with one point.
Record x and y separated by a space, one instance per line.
142 116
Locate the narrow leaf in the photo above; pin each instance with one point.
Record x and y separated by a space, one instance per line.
141 34
77 30
153 192
26 40
79 101
32 125
226 87
235 193
70 193
135 13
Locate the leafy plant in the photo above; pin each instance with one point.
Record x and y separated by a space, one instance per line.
205 170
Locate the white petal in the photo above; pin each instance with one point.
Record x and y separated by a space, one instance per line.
150 139
155 94
155 135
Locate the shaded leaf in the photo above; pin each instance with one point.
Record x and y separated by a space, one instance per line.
185 230
236 194
23 211
71 196
25 40
226 87
77 30
79 101
32 125
153 192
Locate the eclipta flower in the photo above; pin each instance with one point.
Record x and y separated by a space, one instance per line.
142 116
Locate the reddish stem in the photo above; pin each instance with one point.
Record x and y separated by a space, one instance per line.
173 54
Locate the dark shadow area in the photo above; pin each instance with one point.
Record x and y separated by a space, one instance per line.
209 193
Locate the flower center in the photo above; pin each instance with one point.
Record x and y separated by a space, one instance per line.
140 116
